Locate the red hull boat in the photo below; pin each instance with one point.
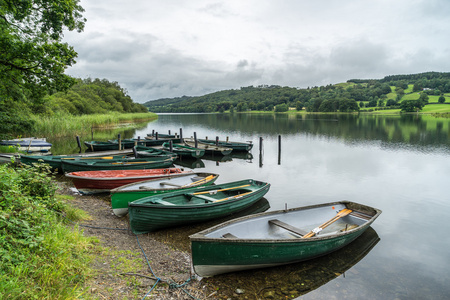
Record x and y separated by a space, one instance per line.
91 182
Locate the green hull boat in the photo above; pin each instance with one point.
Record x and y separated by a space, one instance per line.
197 205
236 146
142 152
121 196
279 237
184 151
55 161
122 164
209 148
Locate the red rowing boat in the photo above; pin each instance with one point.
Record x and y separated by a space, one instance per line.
91 182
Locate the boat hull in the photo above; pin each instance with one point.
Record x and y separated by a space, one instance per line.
103 181
209 149
184 151
236 146
147 163
121 196
29 144
146 217
213 254
55 161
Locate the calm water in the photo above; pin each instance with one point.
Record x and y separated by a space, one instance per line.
400 165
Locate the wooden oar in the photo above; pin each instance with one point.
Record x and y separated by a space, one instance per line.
102 157
231 188
171 184
131 162
200 181
236 196
339 215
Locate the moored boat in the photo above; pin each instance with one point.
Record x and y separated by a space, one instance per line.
209 149
184 151
279 237
102 181
158 141
55 161
31 144
236 146
197 205
122 164
142 152
121 196
114 144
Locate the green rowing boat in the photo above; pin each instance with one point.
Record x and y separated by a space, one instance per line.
184 150
279 237
122 164
121 196
193 206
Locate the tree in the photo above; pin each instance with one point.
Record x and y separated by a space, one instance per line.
441 99
424 98
33 57
348 105
391 102
411 105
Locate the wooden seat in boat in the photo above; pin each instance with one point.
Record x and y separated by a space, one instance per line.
288 227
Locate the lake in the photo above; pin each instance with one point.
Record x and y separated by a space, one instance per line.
399 164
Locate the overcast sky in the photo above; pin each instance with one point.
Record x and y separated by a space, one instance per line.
171 48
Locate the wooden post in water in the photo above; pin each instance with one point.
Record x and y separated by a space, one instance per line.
227 139
120 141
169 131
279 149
153 132
181 133
170 145
156 136
217 141
195 140
78 142
260 152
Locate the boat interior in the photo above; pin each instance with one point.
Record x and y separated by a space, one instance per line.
295 224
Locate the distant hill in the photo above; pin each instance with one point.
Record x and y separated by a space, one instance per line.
386 92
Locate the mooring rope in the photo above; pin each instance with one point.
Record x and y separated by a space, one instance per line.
172 285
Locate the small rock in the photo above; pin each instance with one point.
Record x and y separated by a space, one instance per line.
239 291
269 295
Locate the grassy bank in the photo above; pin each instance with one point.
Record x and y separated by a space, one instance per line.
40 257
64 124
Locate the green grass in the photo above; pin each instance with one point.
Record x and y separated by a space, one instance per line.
8 149
40 257
64 124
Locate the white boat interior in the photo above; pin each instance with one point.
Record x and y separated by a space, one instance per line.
290 224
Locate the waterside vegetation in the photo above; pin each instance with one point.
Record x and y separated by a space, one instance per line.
40 257
67 124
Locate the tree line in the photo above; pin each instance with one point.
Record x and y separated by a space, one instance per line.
345 97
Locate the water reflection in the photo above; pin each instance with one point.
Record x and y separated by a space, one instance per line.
394 131
192 163
294 280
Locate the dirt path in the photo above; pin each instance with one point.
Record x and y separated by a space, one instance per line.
122 272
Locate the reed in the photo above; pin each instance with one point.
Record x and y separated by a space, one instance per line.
65 124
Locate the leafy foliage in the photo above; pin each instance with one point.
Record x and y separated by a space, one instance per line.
92 97
342 97
33 56
39 257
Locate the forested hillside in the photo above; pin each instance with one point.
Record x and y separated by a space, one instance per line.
414 91
92 96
